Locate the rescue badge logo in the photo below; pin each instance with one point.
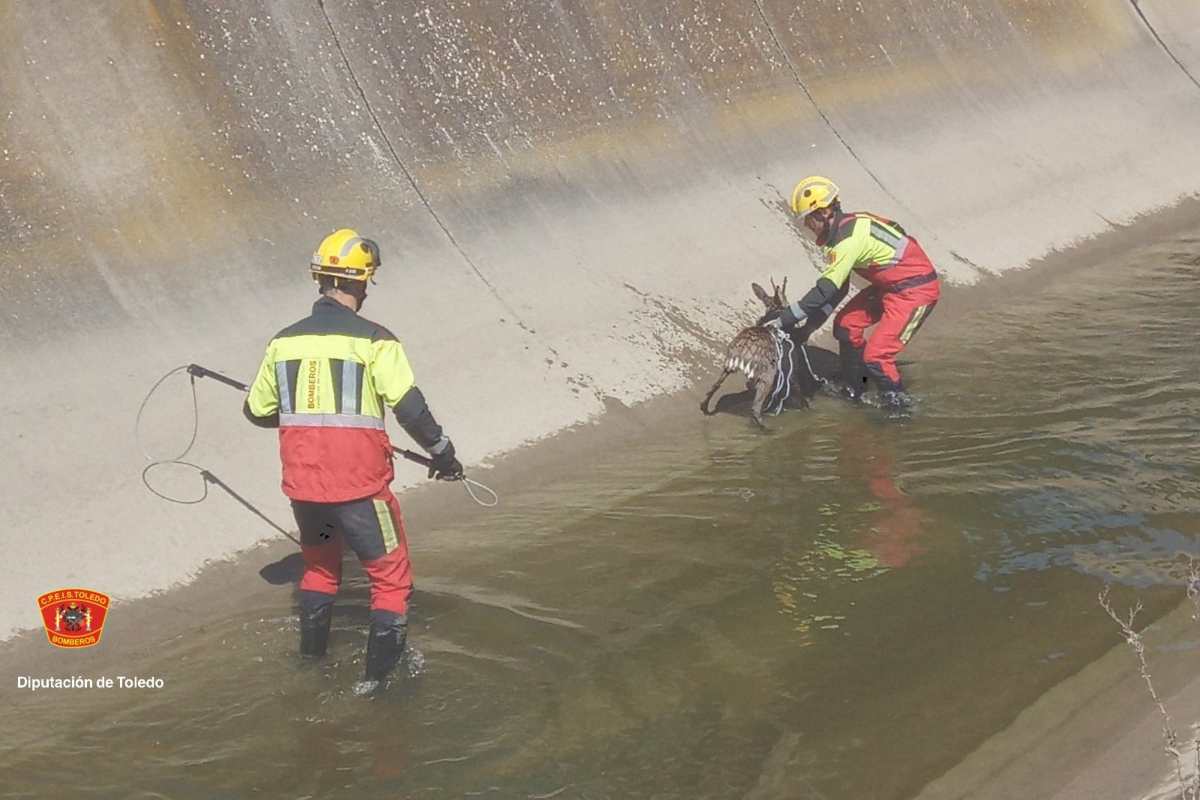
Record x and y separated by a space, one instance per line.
73 617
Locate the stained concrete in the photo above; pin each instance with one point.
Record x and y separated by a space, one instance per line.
572 199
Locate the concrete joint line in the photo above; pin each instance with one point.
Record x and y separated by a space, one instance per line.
1137 7
825 117
833 128
408 175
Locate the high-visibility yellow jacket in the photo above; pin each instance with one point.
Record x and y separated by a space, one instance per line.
878 250
325 382
872 247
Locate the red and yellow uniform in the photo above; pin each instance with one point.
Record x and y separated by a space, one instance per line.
904 286
326 382
329 378
904 289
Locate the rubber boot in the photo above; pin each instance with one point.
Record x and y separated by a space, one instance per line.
385 646
854 371
894 402
316 617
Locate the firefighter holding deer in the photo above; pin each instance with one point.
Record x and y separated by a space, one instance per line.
903 289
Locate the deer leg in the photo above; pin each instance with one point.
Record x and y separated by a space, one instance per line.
712 391
762 391
801 390
764 388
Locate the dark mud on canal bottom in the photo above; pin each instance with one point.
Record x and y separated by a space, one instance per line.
842 608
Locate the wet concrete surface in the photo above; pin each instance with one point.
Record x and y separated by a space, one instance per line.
591 185
844 607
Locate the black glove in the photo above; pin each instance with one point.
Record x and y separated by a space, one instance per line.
444 466
800 335
779 318
769 318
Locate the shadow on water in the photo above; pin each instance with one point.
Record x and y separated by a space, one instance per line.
841 608
284 571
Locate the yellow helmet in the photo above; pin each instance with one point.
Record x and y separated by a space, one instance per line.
345 254
812 193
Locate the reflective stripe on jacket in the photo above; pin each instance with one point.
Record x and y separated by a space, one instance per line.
875 248
330 377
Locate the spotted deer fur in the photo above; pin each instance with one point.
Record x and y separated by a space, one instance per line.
753 352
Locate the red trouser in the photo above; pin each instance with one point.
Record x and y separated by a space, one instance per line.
374 530
899 315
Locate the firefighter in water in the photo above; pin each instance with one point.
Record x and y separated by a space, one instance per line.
326 383
904 288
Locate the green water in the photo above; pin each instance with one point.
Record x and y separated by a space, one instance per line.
842 608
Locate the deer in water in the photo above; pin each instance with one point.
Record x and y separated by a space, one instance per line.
755 352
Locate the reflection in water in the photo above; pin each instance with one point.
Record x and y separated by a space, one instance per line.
895 521
842 608
878 532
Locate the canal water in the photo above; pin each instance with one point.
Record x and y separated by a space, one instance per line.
843 607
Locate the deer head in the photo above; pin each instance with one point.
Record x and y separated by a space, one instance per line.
778 297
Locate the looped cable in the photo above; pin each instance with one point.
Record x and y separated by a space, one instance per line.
137 425
471 485
808 365
178 459
203 476
785 356
782 389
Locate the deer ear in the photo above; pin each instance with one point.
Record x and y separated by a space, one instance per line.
761 293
